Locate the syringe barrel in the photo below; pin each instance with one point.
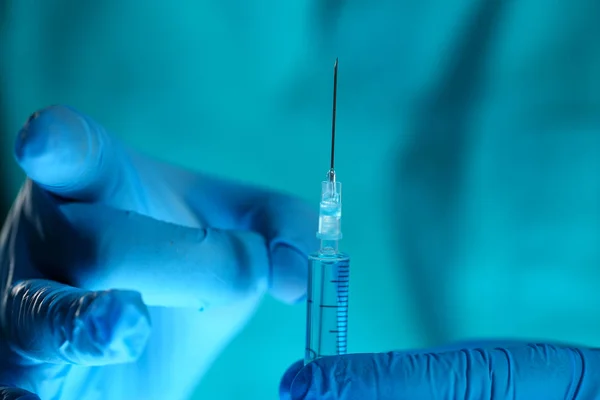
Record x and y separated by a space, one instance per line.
330 211
327 305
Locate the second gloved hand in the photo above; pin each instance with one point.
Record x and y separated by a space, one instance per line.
102 241
500 370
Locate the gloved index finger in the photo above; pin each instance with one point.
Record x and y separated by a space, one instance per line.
97 247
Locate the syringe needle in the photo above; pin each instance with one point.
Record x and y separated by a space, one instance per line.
335 74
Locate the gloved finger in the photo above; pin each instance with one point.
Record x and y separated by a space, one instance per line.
286 381
50 322
290 374
70 155
11 393
287 223
97 247
289 226
521 372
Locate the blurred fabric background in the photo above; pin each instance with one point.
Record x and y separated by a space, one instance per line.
468 144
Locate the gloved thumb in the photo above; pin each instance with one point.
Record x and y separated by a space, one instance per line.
71 156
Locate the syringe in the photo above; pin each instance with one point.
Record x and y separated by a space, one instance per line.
328 269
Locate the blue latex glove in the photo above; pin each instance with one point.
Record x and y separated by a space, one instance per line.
96 229
472 371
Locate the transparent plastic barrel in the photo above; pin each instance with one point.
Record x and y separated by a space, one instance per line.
327 305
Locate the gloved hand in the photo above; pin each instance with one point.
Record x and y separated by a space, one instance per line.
102 240
470 371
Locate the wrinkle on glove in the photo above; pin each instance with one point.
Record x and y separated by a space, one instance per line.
55 323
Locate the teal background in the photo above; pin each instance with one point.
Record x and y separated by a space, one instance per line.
468 146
